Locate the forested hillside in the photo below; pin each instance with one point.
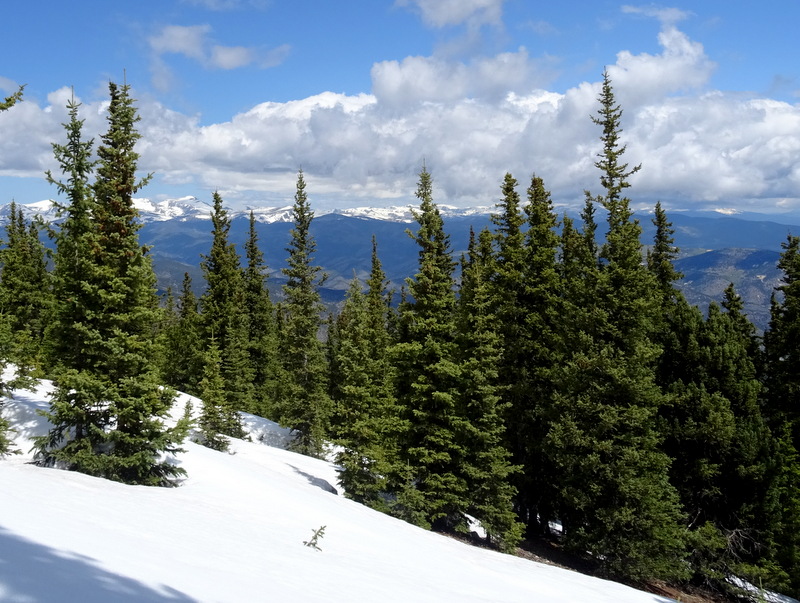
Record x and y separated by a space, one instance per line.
548 378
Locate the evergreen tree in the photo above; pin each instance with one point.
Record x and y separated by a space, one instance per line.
614 496
487 466
782 353
224 318
782 391
184 349
24 288
367 424
108 409
262 335
217 416
5 324
663 253
511 305
303 402
435 490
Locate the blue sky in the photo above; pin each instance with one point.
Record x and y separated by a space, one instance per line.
236 95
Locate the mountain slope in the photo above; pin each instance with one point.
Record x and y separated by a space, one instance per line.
234 531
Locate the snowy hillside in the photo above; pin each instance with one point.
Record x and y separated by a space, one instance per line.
234 531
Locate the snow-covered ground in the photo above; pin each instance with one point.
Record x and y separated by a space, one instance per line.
234 531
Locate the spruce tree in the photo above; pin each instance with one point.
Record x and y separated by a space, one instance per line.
25 298
367 416
614 496
6 327
303 400
262 335
224 318
217 416
511 306
487 464
435 490
184 348
782 388
108 409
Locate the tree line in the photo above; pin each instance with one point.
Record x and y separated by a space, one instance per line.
548 383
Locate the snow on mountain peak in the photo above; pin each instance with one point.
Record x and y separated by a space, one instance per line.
191 208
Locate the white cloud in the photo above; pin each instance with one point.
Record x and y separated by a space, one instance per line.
230 57
471 122
442 13
681 66
195 42
431 79
8 85
668 16
190 41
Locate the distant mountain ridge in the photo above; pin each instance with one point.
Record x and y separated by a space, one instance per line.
188 208
716 247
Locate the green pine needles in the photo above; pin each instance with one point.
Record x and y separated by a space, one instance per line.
109 409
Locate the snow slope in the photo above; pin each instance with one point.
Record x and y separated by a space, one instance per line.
234 531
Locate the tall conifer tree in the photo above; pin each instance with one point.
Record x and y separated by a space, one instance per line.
303 400
614 495
435 492
223 314
184 347
25 297
108 409
782 409
5 326
487 464
367 424
262 336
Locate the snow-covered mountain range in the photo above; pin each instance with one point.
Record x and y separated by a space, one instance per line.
716 247
187 208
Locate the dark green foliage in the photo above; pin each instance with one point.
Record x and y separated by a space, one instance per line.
782 410
6 328
717 438
12 100
182 343
367 418
303 400
217 417
108 409
25 298
5 349
781 344
614 497
224 318
511 307
613 173
487 464
526 302
661 256
262 334
435 491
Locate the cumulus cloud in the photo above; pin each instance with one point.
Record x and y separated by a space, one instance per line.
195 42
433 79
681 66
471 122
